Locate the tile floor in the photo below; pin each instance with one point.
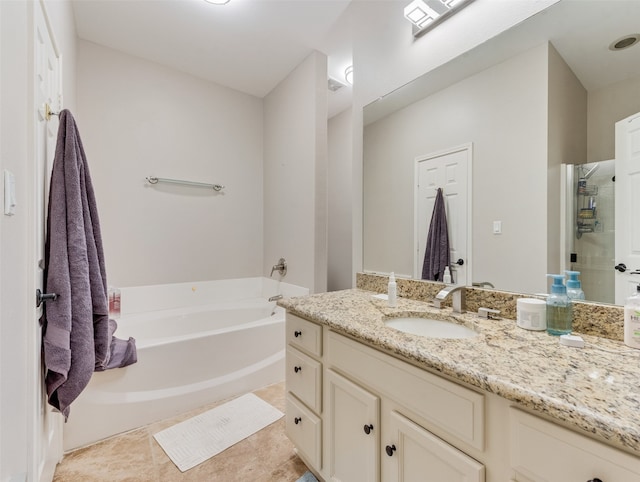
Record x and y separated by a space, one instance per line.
266 456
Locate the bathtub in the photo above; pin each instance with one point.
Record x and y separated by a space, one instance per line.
197 343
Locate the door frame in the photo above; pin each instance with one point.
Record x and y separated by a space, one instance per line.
44 452
468 147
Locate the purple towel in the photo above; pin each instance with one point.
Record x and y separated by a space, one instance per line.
77 337
437 255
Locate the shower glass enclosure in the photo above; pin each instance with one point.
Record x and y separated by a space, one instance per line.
590 227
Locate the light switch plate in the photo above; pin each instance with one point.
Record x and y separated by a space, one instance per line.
497 227
9 193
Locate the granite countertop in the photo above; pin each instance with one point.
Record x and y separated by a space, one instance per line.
594 389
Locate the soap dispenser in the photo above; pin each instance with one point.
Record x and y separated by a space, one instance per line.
574 288
559 309
392 291
632 320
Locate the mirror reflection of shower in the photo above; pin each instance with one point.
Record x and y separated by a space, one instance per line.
591 220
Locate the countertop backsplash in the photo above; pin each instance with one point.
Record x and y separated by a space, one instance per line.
588 318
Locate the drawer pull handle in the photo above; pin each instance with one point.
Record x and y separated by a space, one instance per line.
594 480
368 429
390 449
297 369
297 333
297 420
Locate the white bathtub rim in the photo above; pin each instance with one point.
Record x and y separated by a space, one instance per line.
214 306
277 317
105 397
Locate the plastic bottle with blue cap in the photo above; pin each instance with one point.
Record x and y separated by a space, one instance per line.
574 286
559 308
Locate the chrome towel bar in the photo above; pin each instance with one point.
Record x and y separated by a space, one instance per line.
156 180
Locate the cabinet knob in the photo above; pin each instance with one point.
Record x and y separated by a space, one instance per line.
368 429
297 333
297 369
390 449
297 420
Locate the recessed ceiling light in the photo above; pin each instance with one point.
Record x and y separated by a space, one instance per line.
624 42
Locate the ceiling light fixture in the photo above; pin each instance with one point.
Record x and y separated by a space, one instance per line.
426 14
218 2
624 42
420 14
348 75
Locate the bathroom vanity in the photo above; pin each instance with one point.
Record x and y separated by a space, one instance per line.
366 402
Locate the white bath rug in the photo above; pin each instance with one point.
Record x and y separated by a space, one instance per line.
193 441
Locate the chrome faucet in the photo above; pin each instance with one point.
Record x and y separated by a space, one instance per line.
457 292
281 267
275 298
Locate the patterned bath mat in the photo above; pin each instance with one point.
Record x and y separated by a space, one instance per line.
193 441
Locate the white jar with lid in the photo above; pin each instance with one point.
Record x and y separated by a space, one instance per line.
531 314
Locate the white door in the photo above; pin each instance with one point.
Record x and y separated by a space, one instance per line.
627 199
353 415
46 433
451 171
413 453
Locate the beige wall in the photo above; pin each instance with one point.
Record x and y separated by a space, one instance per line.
340 179
140 119
607 106
567 134
502 111
383 43
295 163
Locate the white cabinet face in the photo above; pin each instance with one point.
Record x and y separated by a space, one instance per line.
353 418
413 453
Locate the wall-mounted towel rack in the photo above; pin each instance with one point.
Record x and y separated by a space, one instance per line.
156 180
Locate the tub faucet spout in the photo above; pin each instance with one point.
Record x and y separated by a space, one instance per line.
457 292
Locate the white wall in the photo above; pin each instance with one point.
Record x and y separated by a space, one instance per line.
295 160
140 119
14 314
508 132
17 116
340 181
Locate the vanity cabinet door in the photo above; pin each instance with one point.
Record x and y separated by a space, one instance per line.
545 452
353 418
413 453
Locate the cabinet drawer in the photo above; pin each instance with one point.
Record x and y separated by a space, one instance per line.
543 451
304 335
305 431
456 410
304 378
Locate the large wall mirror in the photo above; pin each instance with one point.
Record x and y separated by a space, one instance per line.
536 106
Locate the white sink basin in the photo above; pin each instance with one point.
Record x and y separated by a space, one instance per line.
430 328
